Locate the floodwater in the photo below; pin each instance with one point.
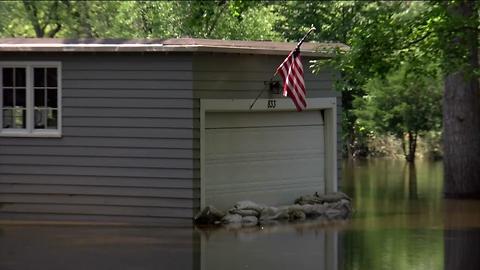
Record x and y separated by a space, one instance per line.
400 222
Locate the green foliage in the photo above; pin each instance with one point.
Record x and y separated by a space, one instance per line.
406 103
382 36
138 19
334 19
13 22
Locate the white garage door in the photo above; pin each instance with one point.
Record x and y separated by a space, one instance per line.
266 157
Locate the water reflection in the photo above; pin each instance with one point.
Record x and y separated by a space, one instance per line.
397 224
391 194
462 234
305 246
401 222
462 249
97 247
411 179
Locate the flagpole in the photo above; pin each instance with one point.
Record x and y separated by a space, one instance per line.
304 37
312 28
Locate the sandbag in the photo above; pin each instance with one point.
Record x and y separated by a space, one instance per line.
250 220
322 198
274 213
249 205
244 212
232 218
247 213
209 215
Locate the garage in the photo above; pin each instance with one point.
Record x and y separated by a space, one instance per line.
266 156
160 129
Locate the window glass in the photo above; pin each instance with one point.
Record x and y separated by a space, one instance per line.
39 97
20 118
52 98
52 119
7 97
7 75
20 97
20 77
14 95
39 77
40 118
7 118
51 77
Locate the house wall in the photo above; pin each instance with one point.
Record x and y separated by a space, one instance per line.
128 151
131 135
236 76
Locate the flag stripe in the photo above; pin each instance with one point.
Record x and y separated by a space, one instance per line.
291 71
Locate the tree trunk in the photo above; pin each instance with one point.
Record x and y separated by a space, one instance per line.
461 116
412 147
32 15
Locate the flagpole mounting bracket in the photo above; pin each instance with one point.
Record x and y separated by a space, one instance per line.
273 87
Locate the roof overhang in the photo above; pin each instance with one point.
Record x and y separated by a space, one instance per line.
165 45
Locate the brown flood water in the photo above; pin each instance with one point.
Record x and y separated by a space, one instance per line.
401 222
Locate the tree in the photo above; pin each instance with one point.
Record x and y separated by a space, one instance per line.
384 34
45 18
462 102
222 19
335 21
405 104
390 32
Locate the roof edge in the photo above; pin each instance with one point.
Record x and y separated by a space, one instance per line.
169 45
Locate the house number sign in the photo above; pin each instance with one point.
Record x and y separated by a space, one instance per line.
271 103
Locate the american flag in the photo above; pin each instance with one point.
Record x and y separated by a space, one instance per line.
291 71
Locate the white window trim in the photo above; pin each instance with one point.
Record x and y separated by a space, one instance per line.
30 131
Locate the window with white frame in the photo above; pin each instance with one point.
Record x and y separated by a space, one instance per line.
30 99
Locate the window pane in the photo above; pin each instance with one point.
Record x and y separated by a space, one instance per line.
20 98
40 119
52 98
7 118
39 77
7 74
51 77
7 97
39 97
20 118
20 77
52 119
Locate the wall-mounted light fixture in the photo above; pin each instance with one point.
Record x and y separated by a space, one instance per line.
273 87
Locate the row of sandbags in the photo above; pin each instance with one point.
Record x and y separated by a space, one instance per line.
247 213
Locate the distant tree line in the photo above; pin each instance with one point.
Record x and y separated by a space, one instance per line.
138 19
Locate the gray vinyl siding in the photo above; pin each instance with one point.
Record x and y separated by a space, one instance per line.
128 151
244 76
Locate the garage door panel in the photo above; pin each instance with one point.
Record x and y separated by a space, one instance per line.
262 119
270 158
263 156
248 140
252 184
266 170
